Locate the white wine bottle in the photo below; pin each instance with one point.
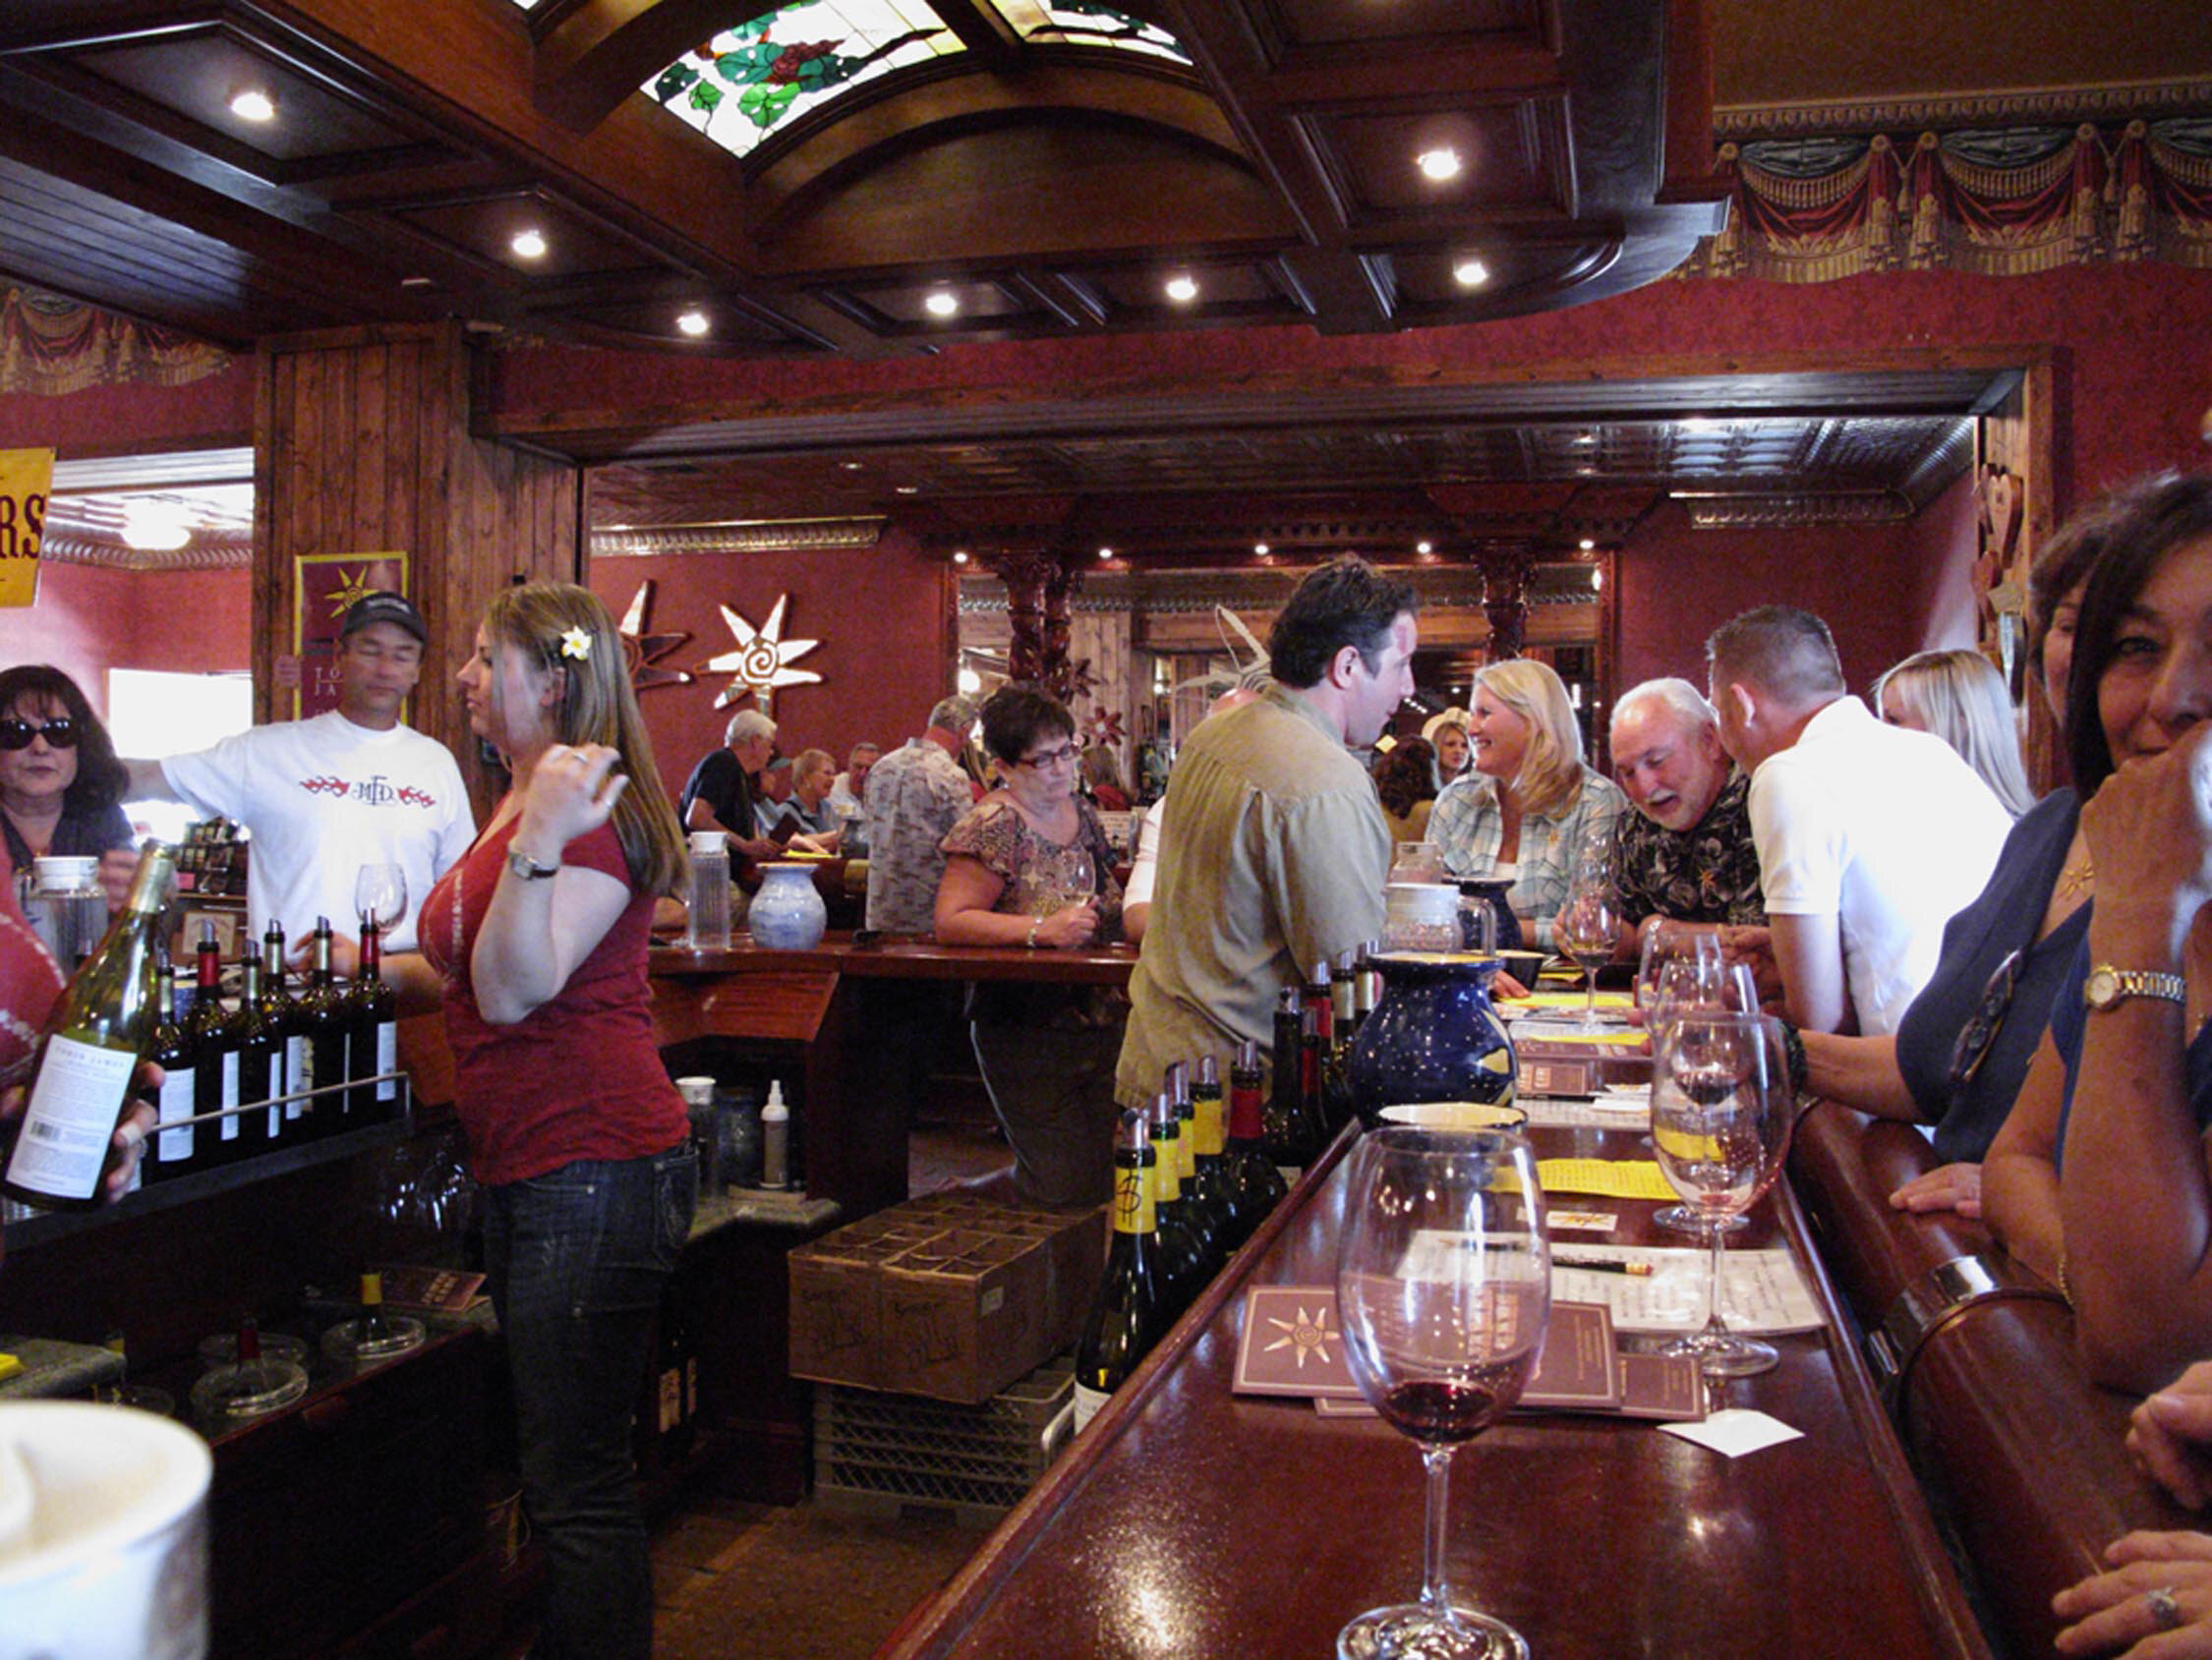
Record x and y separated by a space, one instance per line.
95 1037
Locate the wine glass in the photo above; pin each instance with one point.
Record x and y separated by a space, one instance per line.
1690 974
1058 877
1443 1285
1720 1118
380 892
1585 931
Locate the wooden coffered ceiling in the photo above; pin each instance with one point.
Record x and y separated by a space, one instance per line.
1049 189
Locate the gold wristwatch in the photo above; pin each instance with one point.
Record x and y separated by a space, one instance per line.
2107 987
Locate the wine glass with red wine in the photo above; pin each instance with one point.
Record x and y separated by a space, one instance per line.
1443 1285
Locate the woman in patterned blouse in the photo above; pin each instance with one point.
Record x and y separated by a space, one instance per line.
1530 805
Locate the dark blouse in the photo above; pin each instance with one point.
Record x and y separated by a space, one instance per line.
2002 920
78 836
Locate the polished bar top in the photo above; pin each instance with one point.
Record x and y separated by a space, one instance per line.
1188 1522
901 957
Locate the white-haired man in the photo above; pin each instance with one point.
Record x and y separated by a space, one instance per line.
1686 854
725 790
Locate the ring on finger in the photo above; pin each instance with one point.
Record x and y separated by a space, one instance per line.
2165 1609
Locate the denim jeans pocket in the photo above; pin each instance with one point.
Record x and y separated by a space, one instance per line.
676 1185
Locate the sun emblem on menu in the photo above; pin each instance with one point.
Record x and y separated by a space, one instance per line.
1308 1334
351 586
762 661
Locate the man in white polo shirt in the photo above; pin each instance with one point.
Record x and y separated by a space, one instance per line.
1869 837
328 795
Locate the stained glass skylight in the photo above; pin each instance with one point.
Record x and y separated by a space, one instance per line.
748 82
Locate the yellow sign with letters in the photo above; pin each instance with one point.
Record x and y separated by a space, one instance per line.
26 479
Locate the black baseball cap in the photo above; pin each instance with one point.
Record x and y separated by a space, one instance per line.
384 607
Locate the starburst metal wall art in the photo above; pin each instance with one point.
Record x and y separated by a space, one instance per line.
761 664
643 652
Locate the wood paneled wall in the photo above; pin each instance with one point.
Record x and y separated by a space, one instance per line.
361 445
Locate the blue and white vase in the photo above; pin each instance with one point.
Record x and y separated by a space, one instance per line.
788 914
1436 1036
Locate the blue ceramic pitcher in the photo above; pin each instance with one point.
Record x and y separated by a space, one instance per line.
1436 1036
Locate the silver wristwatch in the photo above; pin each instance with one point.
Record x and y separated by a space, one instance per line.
527 868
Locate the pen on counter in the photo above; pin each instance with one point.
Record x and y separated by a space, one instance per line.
1600 1265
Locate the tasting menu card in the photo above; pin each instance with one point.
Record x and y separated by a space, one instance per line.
1292 1345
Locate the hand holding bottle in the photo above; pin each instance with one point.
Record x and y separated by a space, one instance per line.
129 1139
117 865
572 791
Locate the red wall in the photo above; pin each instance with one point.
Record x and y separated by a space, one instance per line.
214 410
88 619
883 617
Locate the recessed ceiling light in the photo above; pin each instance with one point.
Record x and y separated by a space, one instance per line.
1470 272
1439 165
909 490
1181 290
414 282
253 104
849 466
1596 578
942 304
1587 546
152 524
693 322
529 245
959 556
1424 547
1260 548
1105 553
1584 438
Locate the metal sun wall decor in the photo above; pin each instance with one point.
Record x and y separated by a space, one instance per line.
644 651
761 664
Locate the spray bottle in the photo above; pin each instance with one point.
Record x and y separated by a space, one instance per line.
775 1139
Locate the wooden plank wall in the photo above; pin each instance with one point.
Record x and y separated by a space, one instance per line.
362 444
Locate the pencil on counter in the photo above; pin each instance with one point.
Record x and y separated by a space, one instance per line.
1601 1265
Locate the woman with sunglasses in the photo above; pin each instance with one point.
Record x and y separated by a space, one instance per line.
1030 866
2102 1178
61 785
1957 1058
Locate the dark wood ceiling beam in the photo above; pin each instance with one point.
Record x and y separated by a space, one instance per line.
602 51
981 29
1453 76
1342 288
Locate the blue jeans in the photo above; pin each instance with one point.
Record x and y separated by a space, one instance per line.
576 1260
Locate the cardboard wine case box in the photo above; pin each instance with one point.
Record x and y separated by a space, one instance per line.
950 1295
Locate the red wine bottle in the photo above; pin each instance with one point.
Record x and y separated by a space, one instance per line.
1253 1183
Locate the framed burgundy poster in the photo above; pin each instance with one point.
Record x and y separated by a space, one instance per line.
323 585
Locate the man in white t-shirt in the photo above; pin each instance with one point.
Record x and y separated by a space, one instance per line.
324 796
1869 837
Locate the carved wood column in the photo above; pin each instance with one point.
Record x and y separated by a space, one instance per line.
1505 595
1039 584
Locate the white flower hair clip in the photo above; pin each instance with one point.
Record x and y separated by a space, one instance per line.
576 644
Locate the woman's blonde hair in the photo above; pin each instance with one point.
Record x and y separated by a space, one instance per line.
562 626
1550 771
1959 696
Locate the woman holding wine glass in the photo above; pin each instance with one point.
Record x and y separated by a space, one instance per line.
1529 805
1443 1289
1029 865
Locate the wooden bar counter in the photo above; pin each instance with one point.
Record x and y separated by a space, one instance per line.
1189 1521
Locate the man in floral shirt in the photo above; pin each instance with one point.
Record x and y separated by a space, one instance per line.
1685 854
914 795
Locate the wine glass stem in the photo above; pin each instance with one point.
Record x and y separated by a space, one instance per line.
1714 1326
1435 1595
1590 996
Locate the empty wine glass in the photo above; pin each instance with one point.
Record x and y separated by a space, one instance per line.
1443 1285
1586 930
1720 1119
379 891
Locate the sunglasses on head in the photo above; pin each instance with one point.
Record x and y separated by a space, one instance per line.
60 733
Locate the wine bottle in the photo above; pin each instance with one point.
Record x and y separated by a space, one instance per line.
1312 1078
375 1034
1125 1319
327 1023
94 1039
1208 1133
1344 996
1368 989
1289 1142
1253 1183
260 1050
1336 1063
1182 1250
286 1027
1206 1221
376 1326
171 1151
215 1058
